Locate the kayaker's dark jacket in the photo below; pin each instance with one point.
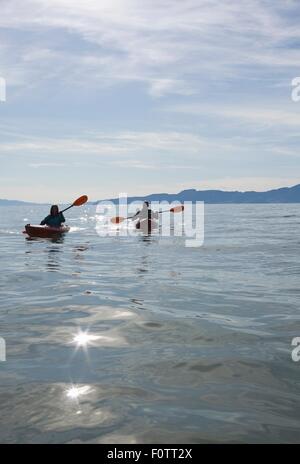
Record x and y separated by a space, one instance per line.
53 221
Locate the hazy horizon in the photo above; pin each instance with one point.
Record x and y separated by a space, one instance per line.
91 200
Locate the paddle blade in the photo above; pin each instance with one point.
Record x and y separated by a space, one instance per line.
80 201
177 209
117 220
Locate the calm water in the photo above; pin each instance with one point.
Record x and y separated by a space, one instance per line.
185 345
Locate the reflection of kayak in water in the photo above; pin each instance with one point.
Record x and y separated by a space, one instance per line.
45 231
146 225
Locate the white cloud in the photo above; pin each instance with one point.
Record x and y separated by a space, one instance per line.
110 144
257 115
160 87
46 165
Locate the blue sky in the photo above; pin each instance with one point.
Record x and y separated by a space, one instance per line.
144 96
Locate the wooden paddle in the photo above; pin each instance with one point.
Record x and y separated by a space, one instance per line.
176 209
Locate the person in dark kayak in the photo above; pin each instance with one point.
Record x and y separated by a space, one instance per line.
55 218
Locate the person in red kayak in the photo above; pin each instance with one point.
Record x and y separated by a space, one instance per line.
55 218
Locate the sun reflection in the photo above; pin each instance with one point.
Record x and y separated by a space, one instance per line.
84 339
74 392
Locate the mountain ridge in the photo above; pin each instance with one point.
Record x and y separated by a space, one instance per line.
213 196
280 195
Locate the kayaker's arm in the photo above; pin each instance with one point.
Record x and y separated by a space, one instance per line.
136 215
62 217
44 221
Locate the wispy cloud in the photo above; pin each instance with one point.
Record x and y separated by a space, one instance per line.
257 115
108 144
46 165
171 46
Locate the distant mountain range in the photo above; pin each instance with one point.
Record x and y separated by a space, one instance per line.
4 202
281 195
14 203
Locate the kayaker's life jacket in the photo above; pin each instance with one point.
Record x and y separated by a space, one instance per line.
53 221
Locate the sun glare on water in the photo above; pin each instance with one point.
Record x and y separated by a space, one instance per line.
75 392
84 339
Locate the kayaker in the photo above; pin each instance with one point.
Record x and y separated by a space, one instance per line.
145 213
55 218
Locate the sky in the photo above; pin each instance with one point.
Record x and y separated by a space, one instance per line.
147 96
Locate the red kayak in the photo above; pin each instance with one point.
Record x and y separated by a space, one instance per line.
45 231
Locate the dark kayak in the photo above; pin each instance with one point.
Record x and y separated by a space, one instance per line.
45 231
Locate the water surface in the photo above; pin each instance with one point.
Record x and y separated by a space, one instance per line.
184 345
